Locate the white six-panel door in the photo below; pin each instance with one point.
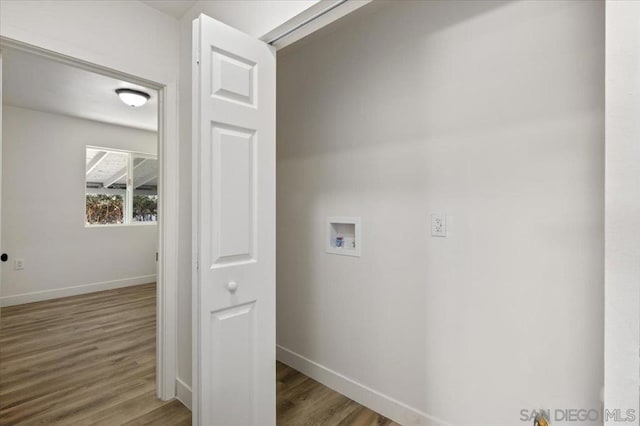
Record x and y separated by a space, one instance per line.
234 227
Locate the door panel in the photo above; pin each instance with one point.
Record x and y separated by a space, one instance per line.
232 77
232 363
234 227
233 150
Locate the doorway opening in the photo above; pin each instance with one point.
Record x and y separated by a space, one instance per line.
83 227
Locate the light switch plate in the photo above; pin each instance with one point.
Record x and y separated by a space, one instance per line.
438 225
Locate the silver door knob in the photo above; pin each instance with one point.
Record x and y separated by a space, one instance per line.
232 286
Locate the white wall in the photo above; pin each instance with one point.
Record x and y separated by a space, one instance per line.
43 210
124 35
256 19
622 252
490 112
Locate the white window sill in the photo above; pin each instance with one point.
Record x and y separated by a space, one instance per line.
121 225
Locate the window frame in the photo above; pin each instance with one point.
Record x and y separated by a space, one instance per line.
127 214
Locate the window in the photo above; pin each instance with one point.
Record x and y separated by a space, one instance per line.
121 187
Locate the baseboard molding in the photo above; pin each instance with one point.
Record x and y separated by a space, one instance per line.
183 393
393 409
38 296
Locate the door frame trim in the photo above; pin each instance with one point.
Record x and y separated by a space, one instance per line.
168 155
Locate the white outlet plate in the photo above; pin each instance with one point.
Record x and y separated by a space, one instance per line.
18 264
438 225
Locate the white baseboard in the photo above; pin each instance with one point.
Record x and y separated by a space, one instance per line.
364 395
38 296
183 393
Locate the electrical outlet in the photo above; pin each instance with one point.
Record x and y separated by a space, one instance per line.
18 264
438 225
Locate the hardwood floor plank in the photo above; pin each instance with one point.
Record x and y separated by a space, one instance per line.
90 360
301 401
82 360
163 416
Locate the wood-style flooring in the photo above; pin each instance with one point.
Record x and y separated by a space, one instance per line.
302 401
83 360
90 360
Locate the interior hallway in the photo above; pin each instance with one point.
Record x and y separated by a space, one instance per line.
90 360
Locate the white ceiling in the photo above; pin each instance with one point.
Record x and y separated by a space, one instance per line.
175 8
33 82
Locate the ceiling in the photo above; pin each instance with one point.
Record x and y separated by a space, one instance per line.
34 82
175 8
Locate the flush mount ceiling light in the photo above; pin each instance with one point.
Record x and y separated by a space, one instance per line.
134 98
